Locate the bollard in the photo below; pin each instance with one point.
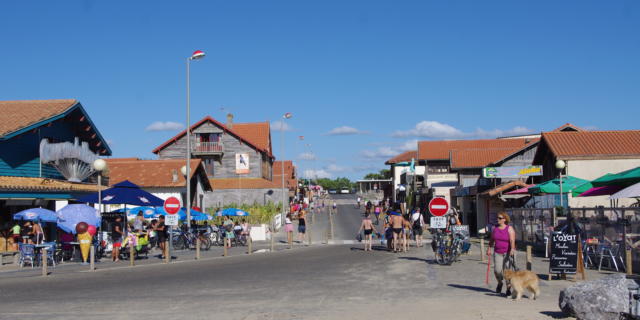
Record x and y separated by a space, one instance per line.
529 259
629 261
197 248
92 258
132 255
167 258
273 236
250 251
225 248
482 251
309 233
44 262
331 225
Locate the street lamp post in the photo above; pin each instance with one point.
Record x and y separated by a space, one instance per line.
286 116
560 165
195 56
99 165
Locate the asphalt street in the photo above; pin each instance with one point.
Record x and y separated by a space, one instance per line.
308 282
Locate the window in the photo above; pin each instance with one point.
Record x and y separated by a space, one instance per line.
438 169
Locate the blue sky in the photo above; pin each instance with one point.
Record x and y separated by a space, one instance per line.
363 79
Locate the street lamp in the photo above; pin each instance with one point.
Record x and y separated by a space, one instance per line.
286 116
99 165
560 166
195 56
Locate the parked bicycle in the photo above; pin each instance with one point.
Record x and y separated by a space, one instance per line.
187 240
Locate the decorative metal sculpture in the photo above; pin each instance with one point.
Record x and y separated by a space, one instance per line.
73 160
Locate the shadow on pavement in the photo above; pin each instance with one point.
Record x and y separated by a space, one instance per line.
554 314
478 289
414 259
374 248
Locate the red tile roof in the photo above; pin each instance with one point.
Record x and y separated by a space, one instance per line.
567 127
592 144
153 173
405 156
20 114
440 150
256 134
478 158
44 185
259 133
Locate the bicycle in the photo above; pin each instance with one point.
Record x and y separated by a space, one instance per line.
187 240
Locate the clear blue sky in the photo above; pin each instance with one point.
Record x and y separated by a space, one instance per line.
390 71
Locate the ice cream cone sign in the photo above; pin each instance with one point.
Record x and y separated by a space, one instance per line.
84 237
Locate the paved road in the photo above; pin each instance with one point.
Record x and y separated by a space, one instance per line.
316 282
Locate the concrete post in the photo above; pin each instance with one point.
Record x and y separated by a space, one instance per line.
225 249
132 254
250 251
44 262
273 236
529 258
92 258
629 260
197 248
331 225
309 235
482 251
167 258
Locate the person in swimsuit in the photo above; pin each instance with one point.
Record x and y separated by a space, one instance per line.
396 226
406 233
367 226
377 211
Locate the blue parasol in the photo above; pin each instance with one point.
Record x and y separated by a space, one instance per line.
156 212
71 215
124 192
36 214
233 212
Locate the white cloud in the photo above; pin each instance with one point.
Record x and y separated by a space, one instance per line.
335 168
307 156
345 130
165 126
431 129
280 125
313 174
389 152
437 130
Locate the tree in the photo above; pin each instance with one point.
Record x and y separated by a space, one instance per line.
382 175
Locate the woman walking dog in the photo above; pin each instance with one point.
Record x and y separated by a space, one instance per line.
503 242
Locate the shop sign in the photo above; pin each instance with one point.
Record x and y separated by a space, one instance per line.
512 172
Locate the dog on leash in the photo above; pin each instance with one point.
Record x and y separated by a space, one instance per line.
521 280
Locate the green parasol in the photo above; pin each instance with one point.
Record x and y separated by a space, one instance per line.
624 178
569 183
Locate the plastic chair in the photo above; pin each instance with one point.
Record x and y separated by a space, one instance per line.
27 253
611 253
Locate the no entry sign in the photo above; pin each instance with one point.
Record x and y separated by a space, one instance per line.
172 205
438 206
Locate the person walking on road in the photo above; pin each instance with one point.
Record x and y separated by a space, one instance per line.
406 232
358 203
367 226
396 227
417 220
503 242
376 211
288 227
116 237
335 207
302 225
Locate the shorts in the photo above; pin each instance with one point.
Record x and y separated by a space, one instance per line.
368 232
417 231
302 229
288 227
161 239
397 230
117 244
230 235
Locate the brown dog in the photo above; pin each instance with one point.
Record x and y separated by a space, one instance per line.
521 280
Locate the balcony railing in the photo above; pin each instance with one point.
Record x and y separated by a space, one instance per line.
207 147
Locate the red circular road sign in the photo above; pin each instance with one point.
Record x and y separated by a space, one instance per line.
438 206
172 205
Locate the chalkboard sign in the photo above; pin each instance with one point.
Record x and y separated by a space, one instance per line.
564 253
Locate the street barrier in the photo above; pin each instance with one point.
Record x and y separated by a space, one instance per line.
44 262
